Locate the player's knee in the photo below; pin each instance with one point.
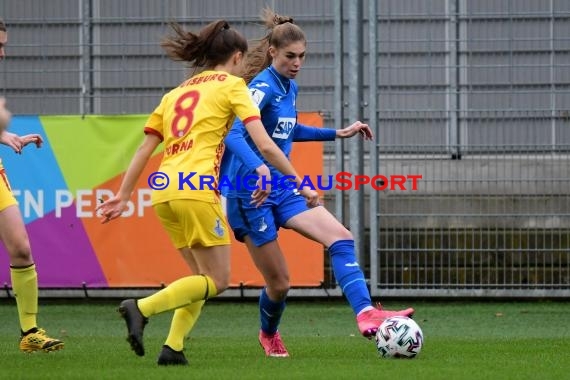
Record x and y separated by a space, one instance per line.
20 252
216 282
278 294
278 289
222 283
281 291
343 234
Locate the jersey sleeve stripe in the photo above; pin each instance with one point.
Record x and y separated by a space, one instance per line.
151 131
250 119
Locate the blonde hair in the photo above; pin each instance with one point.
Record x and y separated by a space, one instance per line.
281 32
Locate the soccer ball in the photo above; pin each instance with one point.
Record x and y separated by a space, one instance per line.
399 337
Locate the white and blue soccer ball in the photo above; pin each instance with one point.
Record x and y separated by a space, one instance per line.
399 337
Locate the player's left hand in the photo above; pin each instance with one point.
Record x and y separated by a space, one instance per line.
32 138
17 143
353 129
12 140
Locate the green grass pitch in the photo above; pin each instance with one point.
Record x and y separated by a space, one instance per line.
463 340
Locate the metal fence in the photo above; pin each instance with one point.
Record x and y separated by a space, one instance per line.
103 56
472 95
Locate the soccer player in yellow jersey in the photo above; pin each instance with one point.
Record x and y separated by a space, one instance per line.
15 238
192 120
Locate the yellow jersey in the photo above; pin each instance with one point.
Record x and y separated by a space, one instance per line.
192 120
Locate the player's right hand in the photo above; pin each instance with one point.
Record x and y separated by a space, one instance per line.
263 190
111 209
311 196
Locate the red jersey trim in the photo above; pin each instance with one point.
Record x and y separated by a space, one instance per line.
251 118
151 131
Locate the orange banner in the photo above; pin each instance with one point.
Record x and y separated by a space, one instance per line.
304 257
136 252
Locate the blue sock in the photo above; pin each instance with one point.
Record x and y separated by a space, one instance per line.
349 275
270 313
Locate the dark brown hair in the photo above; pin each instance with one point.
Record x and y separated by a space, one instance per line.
2 26
213 45
281 32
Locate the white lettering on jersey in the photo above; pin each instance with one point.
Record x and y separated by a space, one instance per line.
261 84
256 95
284 127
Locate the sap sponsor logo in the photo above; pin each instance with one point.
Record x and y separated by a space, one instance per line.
284 127
256 95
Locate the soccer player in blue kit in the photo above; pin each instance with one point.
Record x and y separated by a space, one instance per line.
271 68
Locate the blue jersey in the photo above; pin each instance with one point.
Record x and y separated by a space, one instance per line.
275 96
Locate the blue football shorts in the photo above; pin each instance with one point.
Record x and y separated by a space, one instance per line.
262 223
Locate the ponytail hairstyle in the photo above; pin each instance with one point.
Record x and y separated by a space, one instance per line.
281 32
213 45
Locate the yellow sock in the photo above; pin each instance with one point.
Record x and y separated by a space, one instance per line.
25 286
180 293
182 323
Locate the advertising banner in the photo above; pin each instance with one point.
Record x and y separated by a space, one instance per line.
83 159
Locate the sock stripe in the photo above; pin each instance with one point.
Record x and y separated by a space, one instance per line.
207 286
22 267
352 282
349 276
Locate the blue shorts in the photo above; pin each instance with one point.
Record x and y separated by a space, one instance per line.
262 223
